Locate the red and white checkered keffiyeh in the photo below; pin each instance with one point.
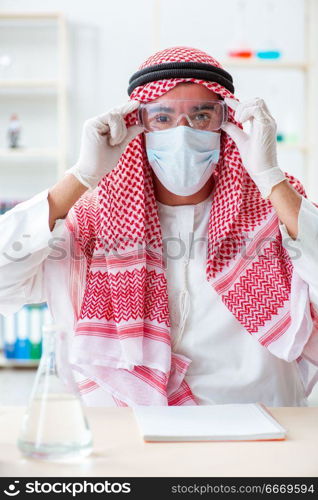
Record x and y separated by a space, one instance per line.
122 333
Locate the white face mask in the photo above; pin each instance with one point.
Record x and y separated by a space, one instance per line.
183 158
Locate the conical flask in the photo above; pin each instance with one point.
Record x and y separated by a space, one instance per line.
54 426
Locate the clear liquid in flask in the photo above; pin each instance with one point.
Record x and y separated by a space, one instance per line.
54 426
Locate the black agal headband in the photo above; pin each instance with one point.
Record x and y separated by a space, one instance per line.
202 71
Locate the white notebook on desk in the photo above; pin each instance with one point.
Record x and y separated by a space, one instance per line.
226 422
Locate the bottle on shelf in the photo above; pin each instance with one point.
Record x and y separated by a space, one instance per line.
240 48
22 344
9 337
242 53
268 53
21 335
14 131
35 336
269 49
290 128
280 136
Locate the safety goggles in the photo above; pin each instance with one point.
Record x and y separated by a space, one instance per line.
196 113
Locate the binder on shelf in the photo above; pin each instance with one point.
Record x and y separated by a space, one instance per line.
9 337
22 335
22 343
36 322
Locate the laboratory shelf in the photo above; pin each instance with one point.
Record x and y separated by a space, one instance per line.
28 83
265 63
28 152
292 147
18 363
30 15
55 85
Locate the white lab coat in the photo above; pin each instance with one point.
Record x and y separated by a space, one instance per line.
228 364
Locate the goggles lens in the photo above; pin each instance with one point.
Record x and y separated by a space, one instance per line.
199 114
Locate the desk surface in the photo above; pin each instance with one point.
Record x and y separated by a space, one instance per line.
119 450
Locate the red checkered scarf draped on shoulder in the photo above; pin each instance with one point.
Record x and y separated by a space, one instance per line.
122 336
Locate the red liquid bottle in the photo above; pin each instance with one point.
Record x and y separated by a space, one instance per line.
241 53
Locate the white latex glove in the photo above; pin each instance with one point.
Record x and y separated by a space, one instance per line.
257 149
104 139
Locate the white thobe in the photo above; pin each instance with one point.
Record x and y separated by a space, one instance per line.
227 364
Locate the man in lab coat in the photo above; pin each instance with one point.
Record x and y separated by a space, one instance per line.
232 318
